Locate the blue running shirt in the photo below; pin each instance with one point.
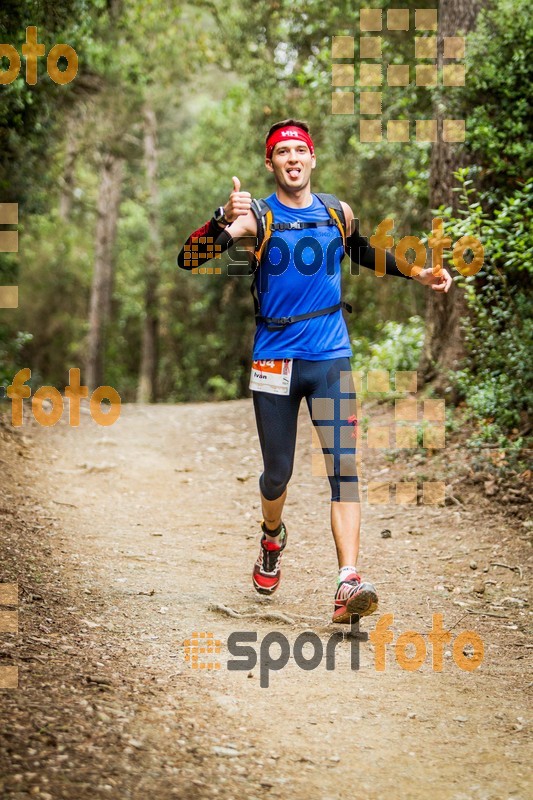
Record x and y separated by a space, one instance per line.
285 287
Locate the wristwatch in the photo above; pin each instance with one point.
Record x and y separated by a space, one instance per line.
220 217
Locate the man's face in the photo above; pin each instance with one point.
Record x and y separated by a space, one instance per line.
291 164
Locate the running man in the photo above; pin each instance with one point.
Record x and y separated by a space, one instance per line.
301 346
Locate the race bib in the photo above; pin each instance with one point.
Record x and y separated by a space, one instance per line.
272 376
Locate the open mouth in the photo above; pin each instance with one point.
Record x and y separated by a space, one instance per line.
294 172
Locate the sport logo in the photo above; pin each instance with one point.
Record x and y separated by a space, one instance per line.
291 133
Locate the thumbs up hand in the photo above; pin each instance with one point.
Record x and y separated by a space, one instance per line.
239 202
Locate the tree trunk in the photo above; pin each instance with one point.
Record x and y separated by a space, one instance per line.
444 342
147 388
102 285
67 188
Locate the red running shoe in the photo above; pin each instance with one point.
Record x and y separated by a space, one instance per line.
353 597
267 575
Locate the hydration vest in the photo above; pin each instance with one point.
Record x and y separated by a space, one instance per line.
266 226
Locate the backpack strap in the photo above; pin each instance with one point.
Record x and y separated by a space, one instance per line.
300 226
278 323
336 212
265 219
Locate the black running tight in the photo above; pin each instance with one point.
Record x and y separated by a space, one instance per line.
329 392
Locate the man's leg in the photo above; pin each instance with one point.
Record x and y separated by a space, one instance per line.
277 418
272 510
332 403
346 526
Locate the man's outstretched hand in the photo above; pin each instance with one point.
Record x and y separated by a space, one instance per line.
239 202
439 282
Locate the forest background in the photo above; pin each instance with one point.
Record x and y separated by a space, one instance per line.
113 171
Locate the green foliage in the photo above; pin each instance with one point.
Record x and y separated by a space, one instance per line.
10 350
397 346
54 295
29 117
217 79
495 96
497 378
223 389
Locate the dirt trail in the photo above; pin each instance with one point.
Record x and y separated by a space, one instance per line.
153 521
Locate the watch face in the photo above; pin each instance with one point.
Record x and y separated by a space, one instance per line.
219 213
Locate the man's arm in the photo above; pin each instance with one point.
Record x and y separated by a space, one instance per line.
361 252
194 252
218 238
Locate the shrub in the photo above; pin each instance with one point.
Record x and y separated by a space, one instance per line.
497 378
397 347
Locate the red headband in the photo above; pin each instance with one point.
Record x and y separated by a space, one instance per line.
291 132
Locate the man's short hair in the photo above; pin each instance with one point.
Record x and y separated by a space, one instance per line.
285 123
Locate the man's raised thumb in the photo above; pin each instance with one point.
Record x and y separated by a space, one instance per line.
236 184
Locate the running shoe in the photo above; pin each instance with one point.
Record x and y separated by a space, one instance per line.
267 575
353 597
